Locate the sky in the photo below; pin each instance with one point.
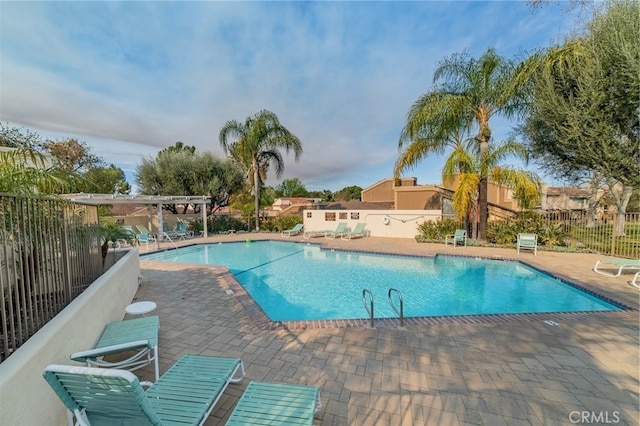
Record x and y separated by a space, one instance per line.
131 78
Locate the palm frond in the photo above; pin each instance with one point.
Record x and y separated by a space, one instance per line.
466 193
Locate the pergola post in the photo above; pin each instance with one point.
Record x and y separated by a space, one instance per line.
160 234
204 219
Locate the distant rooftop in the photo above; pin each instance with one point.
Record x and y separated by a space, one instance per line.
356 205
570 191
98 199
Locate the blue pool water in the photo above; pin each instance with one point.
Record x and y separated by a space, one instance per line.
294 282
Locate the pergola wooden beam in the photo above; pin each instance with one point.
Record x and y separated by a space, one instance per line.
158 200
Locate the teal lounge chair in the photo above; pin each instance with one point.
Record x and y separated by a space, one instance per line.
169 230
293 231
139 335
143 236
618 263
316 233
342 226
145 239
459 238
265 403
340 229
357 232
143 230
527 242
181 231
186 394
131 233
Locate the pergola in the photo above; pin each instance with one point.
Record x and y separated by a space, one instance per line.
158 200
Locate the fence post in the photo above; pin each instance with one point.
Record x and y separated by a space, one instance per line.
65 250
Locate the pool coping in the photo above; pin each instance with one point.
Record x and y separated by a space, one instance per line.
261 320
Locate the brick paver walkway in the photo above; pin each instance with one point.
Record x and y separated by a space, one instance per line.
520 371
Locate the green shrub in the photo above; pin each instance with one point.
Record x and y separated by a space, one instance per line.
218 224
436 231
552 234
506 232
530 222
502 233
279 224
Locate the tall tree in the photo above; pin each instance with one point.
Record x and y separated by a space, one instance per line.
584 119
103 179
181 172
291 188
179 147
348 193
470 167
87 172
256 144
15 137
83 171
72 155
468 92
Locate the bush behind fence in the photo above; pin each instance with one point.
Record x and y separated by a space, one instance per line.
556 231
49 254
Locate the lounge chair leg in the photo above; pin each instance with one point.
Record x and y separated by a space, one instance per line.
242 373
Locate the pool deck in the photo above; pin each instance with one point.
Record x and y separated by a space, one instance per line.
488 370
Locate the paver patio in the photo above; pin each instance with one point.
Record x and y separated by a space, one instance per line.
505 370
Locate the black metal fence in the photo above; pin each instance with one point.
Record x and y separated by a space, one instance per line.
608 234
598 233
49 254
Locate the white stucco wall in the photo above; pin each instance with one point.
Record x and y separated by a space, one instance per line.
400 223
25 397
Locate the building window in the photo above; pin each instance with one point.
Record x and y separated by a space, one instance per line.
342 215
330 217
355 215
309 215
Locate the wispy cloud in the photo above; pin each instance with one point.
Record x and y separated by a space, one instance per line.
340 75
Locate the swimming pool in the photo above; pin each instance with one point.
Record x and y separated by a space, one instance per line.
295 282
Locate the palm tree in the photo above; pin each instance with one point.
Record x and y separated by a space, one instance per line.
468 93
24 171
472 167
110 233
255 144
422 145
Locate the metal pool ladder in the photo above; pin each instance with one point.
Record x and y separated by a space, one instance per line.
366 294
399 310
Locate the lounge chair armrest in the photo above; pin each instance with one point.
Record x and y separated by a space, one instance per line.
108 350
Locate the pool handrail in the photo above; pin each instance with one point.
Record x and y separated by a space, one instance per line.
400 310
366 292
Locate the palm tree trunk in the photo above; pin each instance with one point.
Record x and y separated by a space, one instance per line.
256 189
483 190
484 209
474 222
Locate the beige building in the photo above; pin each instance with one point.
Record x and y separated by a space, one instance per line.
285 206
406 194
565 198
